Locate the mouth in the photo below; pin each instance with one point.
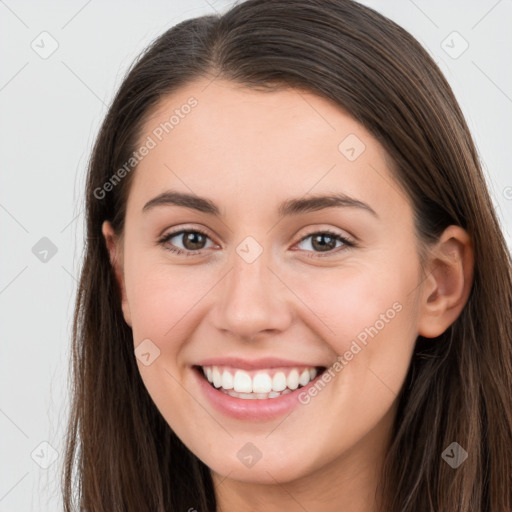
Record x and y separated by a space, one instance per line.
259 384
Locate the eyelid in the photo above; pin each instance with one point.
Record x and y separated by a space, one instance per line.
330 231
178 231
185 227
348 241
313 230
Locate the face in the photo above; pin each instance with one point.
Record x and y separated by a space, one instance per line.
266 286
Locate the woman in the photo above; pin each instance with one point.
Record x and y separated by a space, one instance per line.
340 339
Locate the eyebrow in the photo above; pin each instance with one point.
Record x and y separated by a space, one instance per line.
287 208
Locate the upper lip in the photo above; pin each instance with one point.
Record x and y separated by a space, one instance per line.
254 364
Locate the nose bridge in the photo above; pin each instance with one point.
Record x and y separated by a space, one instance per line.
252 296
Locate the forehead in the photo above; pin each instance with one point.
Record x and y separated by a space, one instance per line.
219 139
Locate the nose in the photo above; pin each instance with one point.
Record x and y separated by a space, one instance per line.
253 301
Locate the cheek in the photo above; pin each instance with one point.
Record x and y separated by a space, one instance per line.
160 297
162 300
348 300
368 315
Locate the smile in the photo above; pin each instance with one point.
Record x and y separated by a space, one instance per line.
259 384
261 389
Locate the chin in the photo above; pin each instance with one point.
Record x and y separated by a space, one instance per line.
266 470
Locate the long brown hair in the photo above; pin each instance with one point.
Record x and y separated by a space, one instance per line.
121 455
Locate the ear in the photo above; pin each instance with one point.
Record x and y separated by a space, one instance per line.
446 288
114 247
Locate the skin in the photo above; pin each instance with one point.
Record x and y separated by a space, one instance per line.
248 151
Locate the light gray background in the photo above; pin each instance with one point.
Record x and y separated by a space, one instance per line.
50 114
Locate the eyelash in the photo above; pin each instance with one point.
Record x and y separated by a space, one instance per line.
348 243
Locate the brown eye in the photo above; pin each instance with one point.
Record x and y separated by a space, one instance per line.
192 240
325 242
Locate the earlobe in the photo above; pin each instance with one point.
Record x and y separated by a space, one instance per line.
447 286
115 254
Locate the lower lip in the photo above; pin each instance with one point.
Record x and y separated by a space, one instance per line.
251 409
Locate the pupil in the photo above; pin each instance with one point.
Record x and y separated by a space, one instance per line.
192 237
323 246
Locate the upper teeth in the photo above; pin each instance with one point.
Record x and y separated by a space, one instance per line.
263 381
